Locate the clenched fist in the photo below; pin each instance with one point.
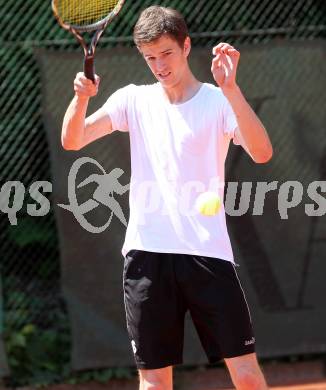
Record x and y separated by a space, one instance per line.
84 87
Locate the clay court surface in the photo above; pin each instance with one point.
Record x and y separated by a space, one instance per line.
316 386
93 386
309 375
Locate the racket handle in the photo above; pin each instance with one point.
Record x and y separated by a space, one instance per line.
89 68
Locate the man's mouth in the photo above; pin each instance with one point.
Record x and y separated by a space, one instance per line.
163 75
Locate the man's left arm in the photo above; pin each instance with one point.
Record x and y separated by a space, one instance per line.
250 132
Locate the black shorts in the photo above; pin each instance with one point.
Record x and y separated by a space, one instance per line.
159 288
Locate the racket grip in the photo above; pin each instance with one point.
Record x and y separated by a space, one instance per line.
89 68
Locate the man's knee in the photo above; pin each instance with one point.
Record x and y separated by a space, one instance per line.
160 379
246 373
246 379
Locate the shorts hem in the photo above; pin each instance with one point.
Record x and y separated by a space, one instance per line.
238 354
158 365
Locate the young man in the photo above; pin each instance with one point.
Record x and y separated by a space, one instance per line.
180 130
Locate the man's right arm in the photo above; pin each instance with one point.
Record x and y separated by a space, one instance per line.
77 130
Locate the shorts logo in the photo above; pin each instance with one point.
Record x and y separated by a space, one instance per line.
249 342
134 348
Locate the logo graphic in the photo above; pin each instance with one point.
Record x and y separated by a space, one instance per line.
107 185
159 196
249 342
133 345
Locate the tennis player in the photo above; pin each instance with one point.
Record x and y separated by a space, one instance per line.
177 261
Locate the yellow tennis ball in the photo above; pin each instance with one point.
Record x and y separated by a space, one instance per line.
208 203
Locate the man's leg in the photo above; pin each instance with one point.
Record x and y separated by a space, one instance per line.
160 379
155 312
246 373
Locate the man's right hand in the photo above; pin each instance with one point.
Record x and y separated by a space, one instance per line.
84 87
76 130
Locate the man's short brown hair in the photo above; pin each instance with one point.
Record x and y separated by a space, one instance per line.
155 21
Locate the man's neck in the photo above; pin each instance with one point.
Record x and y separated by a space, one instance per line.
184 90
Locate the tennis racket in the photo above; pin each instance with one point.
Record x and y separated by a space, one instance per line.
86 16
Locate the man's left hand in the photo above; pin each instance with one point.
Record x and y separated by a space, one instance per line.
224 65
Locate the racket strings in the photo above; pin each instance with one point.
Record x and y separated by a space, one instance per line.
84 12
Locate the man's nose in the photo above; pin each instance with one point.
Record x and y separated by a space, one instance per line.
160 65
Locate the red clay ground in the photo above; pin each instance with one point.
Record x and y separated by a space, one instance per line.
280 376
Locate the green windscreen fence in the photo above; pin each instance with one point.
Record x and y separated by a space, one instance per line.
61 285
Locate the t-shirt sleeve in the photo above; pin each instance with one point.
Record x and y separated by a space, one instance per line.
117 107
230 123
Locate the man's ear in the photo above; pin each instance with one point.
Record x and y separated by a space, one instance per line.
187 46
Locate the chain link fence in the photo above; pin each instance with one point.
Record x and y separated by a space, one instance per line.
35 325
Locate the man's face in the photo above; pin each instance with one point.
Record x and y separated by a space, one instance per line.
166 59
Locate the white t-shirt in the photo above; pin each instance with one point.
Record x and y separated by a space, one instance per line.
177 152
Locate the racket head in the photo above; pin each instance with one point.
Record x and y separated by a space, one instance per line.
85 15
